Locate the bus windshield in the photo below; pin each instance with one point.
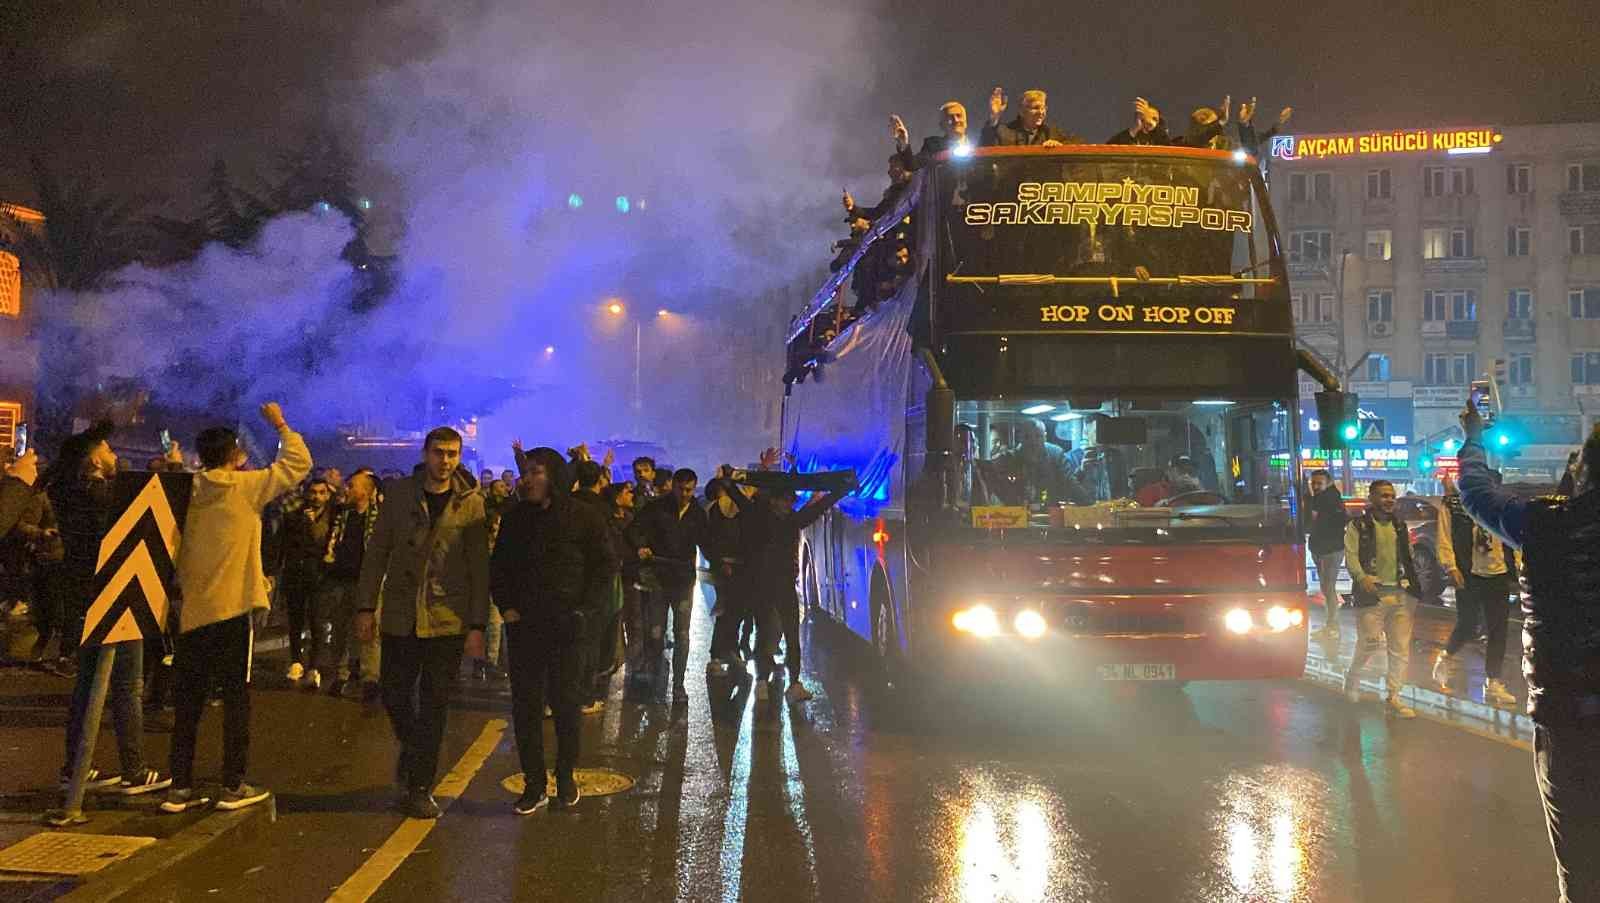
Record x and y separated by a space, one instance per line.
1158 462
1168 221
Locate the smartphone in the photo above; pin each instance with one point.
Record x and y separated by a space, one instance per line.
21 445
166 442
1485 400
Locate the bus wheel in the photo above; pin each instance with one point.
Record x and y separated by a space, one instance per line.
885 631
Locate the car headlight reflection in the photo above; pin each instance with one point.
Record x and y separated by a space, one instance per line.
1279 619
979 620
1030 624
1238 621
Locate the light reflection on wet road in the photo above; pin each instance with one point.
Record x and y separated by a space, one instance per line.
1259 792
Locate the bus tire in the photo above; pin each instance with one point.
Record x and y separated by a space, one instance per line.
885 627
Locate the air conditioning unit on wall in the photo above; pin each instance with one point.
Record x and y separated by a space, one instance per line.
1379 329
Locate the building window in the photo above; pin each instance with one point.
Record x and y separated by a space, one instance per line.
1325 307
1433 181
1380 243
1584 303
1309 247
1380 305
1583 176
1519 241
1379 186
1435 244
1461 180
1438 181
1519 304
1310 186
1586 368
10 286
10 417
1377 368
1519 178
1461 243
1583 239
1456 304
1519 369
1448 369
1298 302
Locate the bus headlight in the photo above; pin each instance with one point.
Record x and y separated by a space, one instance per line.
979 620
1237 621
1030 624
1279 618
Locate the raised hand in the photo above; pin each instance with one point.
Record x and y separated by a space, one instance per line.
770 458
1284 114
997 104
848 202
897 131
1247 111
1227 105
272 413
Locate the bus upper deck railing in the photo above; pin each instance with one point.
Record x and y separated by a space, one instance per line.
1114 281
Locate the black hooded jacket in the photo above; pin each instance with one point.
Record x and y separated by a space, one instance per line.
552 559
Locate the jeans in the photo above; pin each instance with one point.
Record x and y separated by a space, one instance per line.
679 601
216 654
416 690
632 619
778 615
544 670
1566 765
336 604
1390 619
493 635
300 599
122 698
1328 576
733 605
1488 598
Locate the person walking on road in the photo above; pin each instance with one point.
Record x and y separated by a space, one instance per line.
1560 644
302 546
553 574
669 533
351 528
1484 572
1326 539
429 557
222 585
1377 550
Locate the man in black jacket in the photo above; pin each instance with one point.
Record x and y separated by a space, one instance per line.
1148 127
551 574
1326 539
669 533
1029 128
953 122
1559 537
302 545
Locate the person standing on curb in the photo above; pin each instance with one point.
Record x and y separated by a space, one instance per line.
1560 644
222 585
429 557
1377 550
1326 539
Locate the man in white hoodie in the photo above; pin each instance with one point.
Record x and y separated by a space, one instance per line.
221 583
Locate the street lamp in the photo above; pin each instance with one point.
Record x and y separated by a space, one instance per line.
618 309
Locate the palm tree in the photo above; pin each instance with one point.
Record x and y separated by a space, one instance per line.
88 233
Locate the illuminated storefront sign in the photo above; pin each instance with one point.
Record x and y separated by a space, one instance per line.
1405 141
1386 459
1124 203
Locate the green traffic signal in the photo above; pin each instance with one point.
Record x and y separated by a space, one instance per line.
1426 463
1350 431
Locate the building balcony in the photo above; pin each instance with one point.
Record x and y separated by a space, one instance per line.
1316 327
1521 330
1448 266
1433 329
1461 329
1460 208
1579 203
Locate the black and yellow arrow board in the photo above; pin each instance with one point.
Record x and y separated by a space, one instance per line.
136 574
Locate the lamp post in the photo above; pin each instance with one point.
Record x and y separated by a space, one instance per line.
1338 288
618 309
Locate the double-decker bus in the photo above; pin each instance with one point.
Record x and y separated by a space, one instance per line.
1066 379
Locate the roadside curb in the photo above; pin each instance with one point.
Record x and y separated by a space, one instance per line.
1506 725
123 880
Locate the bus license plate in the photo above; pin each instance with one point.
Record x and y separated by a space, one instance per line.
1138 672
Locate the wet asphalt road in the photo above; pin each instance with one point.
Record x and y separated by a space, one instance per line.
1278 791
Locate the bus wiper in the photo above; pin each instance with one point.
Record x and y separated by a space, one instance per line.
1202 515
1142 278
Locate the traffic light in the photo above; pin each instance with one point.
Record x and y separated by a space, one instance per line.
1425 463
1339 423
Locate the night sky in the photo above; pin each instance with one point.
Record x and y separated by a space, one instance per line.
149 98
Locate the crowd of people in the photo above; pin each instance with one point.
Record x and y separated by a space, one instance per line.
552 577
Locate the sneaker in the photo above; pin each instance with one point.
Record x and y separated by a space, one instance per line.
599 705
241 796
567 795
1443 664
797 692
94 780
419 804
313 680
147 781
548 713
531 801
1397 708
1496 694
1352 688
716 668
296 671
763 690
183 800
480 670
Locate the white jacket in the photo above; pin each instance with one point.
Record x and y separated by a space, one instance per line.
219 559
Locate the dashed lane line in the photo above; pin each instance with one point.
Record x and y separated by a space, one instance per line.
384 861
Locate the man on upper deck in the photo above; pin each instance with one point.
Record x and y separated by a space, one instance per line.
1029 128
952 119
1148 127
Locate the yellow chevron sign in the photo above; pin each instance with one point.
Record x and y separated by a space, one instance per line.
135 566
